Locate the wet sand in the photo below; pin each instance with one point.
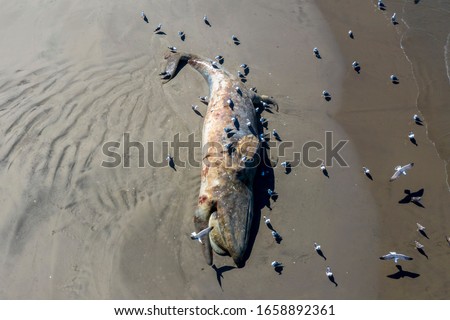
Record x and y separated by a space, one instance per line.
75 76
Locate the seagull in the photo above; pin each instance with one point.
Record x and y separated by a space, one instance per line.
249 124
204 99
416 200
262 138
416 118
158 28
399 170
420 227
322 167
227 129
181 34
350 34
235 122
235 39
244 66
276 264
326 94
395 256
394 78
328 272
268 223
230 103
214 64
366 171
262 120
201 234
254 89
316 51
355 64
276 236
276 135
411 135
205 19
317 247
219 58
173 49
240 74
144 16
195 107
238 90
394 18
381 5
418 245
271 193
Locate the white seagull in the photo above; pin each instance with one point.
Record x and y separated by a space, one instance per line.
416 118
316 246
276 264
420 227
395 256
399 170
158 28
201 234
418 245
328 272
326 94
394 18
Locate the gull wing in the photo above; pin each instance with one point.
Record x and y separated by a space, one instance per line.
407 167
396 175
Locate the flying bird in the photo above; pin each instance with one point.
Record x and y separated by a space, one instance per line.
201 234
395 256
399 170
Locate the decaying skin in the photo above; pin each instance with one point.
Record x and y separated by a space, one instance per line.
229 159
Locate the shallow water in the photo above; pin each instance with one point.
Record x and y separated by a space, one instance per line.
425 41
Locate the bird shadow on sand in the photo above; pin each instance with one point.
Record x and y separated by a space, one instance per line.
368 175
413 141
331 278
320 253
422 252
422 232
416 1
279 270
412 197
402 274
172 164
220 271
161 33
198 113
325 173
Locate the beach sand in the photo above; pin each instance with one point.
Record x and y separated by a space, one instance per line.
75 76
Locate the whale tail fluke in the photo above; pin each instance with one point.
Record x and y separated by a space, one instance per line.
175 61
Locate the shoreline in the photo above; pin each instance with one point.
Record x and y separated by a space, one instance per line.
379 53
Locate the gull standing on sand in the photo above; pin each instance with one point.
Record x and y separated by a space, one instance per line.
416 118
322 167
399 170
234 38
201 234
394 78
420 227
204 99
276 236
326 95
144 17
350 34
418 245
328 272
316 51
158 28
267 222
173 49
276 135
205 19
276 264
317 247
381 5
394 18
395 256
195 107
